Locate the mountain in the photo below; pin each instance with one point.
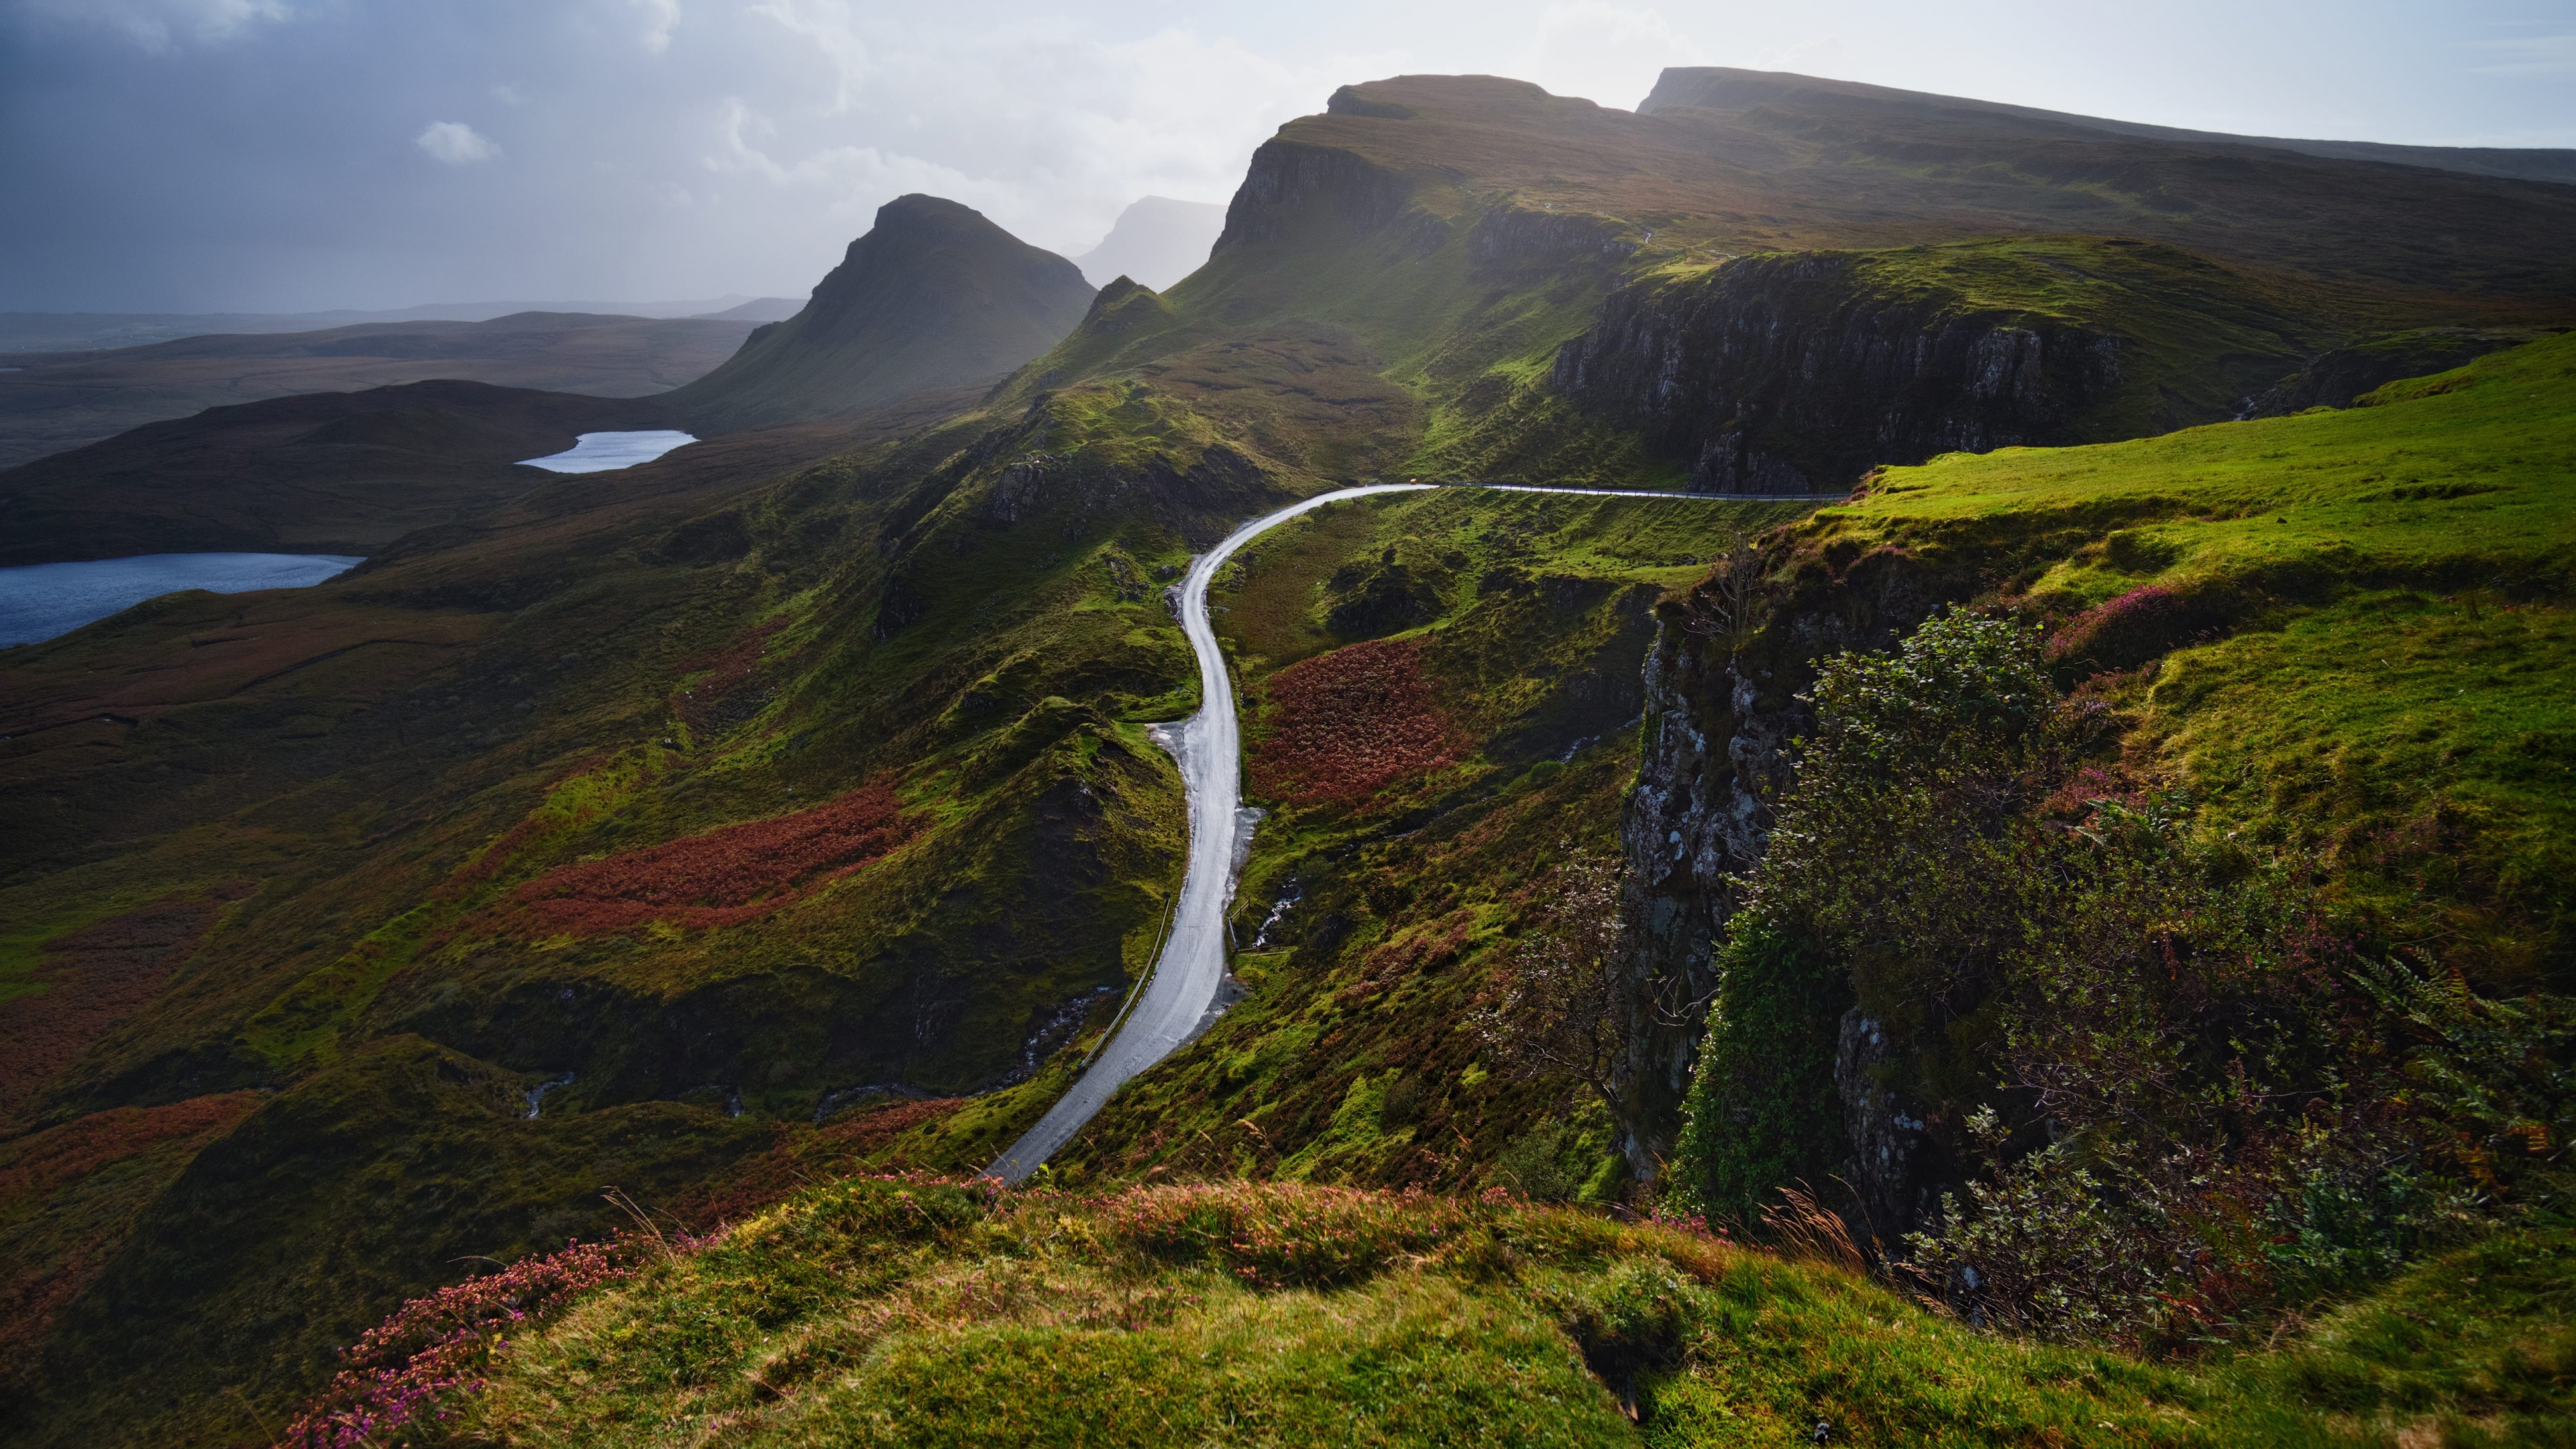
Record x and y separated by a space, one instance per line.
50 402
1731 91
1156 241
789 811
934 295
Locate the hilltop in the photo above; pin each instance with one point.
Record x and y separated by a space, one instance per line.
933 296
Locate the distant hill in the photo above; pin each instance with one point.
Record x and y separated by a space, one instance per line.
934 295
1156 241
759 309
89 331
1725 89
58 401
330 472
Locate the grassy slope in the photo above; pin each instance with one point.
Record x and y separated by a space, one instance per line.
1348 1059
890 1312
2387 677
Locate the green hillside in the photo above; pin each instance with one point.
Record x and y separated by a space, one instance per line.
913 1312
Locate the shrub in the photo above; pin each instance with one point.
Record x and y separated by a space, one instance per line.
397 1381
2127 631
722 878
1342 726
2155 1090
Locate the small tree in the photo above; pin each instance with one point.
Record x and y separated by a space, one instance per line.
1561 1006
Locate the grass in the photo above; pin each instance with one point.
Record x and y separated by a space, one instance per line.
917 1312
2369 652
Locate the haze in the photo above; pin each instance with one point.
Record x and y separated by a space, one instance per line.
281 155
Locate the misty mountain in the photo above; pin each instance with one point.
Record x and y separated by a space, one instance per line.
934 295
1726 89
1156 241
88 331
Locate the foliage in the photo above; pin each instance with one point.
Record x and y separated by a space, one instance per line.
721 878
2168 1081
1560 1006
1762 1111
401 1376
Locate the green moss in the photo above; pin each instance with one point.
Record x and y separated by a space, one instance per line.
2383 595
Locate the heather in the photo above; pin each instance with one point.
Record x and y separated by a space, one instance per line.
1341 726
721 878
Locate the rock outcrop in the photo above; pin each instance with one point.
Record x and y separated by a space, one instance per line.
1724 685
1788 374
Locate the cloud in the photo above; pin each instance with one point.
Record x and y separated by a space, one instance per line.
2538 55
1603 52
1043 125
456 143
659 18
155 25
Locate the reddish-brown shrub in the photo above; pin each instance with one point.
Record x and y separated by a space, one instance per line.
802 1157
1342 726
90 979
726 670
722 878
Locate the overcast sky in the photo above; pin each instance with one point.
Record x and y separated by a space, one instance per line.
286 155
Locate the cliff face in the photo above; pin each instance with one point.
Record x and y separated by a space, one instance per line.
1292 185
1790 374
1723 709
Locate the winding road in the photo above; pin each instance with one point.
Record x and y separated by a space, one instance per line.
1182 990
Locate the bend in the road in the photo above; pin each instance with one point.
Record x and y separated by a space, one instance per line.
1185 978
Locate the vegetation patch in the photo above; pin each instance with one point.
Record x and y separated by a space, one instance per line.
721 878
1342 726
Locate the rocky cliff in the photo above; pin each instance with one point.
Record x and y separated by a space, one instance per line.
1794 374
1724 683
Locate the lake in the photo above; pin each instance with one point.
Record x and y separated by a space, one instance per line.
605 452
41 601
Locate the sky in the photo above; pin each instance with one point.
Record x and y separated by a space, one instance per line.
296 155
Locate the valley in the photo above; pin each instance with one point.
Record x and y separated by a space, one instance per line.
1814 764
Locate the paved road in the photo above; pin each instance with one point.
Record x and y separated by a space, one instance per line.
1183 987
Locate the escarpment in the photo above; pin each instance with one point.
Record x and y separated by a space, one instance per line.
1794 374
1293 185
1724 685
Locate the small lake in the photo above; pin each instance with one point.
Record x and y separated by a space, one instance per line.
606 452
41 601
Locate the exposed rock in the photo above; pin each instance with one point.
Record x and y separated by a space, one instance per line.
1723 710
1290 181
1785 375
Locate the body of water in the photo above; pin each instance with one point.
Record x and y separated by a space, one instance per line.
41 601
604 452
